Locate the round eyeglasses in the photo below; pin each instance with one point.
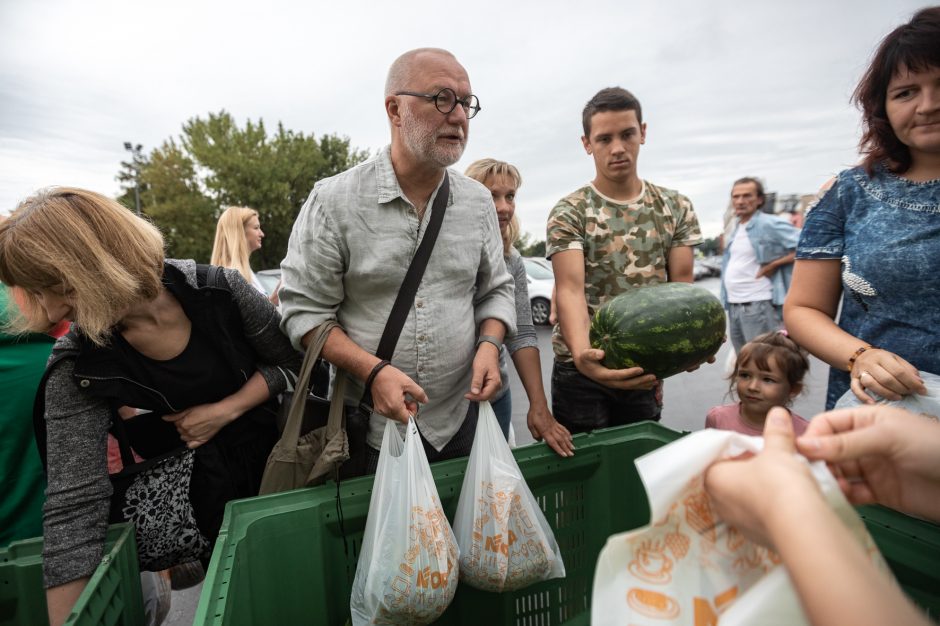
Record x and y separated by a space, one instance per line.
446 100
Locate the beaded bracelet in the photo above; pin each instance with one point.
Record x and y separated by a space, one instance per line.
857 354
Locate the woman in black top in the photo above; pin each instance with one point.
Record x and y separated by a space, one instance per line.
196 346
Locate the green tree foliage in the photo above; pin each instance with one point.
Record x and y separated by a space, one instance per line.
528 246
127 176
172 197
188 181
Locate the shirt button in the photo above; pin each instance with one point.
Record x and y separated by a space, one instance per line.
422 338
419 304
84 382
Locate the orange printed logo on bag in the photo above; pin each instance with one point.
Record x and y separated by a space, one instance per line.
495 543
653 603
434 579
651 563
505 541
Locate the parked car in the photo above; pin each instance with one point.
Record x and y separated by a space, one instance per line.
541 283
706 267
541 261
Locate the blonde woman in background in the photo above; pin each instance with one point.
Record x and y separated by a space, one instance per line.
237 235
503 179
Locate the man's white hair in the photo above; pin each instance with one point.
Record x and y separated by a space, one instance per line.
400 73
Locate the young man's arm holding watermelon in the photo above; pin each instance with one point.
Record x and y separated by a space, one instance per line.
679 263
575 324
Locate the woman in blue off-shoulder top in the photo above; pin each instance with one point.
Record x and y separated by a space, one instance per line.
873 241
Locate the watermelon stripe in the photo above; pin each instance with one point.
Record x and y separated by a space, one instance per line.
665 328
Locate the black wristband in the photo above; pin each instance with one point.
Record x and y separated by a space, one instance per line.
375 371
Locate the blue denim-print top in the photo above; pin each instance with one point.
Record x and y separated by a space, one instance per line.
886 232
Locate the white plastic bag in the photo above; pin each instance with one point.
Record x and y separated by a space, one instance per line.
407 570
505 541
925 405
688 567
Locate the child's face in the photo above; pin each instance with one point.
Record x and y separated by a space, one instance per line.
761 389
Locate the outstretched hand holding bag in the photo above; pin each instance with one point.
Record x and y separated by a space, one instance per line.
407 570
303 460
505 541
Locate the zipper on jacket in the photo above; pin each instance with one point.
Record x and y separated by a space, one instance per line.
162 397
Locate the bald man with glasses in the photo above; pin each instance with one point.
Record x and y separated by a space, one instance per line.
352 244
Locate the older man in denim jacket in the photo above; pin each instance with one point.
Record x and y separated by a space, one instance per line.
757 265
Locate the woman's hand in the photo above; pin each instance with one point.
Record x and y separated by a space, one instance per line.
544 426
880 454
886 374
773 499
197 425
755 493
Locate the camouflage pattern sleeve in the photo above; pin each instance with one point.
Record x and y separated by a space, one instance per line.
566 227
687 231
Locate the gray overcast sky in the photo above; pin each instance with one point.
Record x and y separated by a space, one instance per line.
729 88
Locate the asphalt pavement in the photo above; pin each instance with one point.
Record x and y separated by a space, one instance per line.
686 399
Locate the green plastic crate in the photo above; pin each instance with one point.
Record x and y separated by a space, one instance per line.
111 598
280 559
912 549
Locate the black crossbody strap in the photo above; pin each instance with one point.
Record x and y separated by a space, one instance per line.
409 286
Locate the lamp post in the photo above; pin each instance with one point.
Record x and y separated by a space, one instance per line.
135 163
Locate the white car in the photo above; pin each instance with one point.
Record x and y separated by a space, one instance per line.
541 283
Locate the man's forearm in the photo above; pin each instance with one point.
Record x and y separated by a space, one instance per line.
493 327
574 321
345 354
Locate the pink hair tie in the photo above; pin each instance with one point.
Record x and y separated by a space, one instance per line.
783 331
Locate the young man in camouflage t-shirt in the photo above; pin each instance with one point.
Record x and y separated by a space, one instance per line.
615 233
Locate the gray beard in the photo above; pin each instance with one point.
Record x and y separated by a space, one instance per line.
422 145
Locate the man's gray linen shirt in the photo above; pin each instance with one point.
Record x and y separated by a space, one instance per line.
348 253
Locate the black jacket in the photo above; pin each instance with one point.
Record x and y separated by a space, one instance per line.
84 384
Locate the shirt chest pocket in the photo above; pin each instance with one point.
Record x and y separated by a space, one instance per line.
456 258
767 249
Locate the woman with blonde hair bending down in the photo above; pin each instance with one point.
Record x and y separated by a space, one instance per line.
237 235
194 347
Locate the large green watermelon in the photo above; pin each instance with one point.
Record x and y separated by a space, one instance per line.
665 329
